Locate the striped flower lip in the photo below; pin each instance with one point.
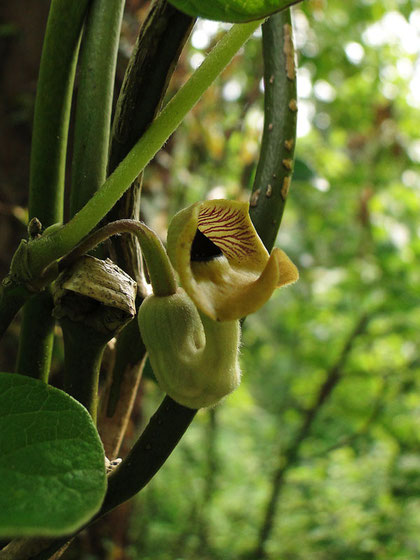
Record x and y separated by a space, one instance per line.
222 263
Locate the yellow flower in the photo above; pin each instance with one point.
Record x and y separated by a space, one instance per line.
222 263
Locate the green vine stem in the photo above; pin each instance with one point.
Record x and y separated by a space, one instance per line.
274 170
36 337
52 110
94 300
13 297
48 248
48 159
94 99
161 273
84 347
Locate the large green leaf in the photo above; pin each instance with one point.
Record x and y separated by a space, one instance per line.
235 11
52 472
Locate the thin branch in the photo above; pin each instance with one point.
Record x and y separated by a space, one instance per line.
347 440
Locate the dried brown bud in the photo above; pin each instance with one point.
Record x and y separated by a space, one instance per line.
97 293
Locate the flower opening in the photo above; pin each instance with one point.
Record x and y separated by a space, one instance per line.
222 263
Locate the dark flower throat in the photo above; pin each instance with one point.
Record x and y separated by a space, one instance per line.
203 249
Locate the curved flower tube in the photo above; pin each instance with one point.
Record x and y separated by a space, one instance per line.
194 359
222 263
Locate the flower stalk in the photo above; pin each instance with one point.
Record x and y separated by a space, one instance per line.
159 267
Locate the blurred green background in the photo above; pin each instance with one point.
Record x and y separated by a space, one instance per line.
317 455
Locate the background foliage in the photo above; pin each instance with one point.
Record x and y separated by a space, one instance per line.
329 401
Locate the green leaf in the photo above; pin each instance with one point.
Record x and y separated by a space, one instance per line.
52 471
234 11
